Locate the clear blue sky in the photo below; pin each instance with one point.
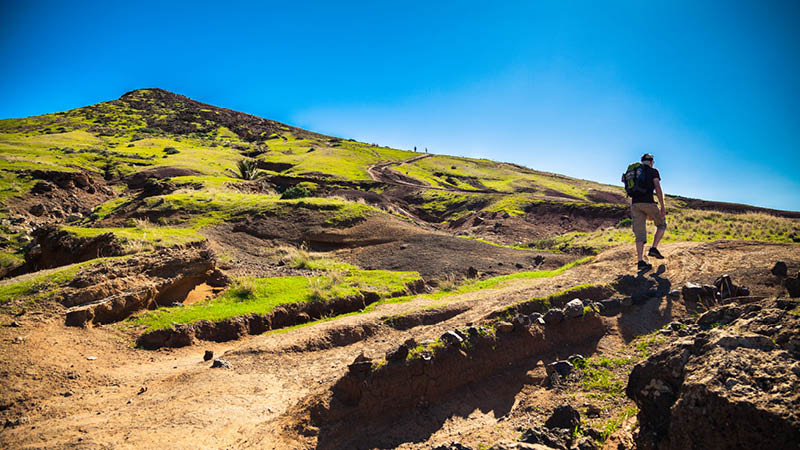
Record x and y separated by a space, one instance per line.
579 88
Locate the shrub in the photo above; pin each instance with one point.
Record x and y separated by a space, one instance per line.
295 192
625 222
247 169
171 150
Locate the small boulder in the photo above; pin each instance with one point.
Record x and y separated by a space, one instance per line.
674 294
554 317
626 302
521 322
361 365
780 269
562 368
543 436
472 272
792 284
37 210
693 293
564 416
208 356
573 309
451 338
398 354
220 364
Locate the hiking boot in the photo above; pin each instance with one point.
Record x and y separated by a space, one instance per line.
644 266
655 253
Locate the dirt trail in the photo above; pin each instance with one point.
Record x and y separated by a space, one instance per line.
384 173
170 398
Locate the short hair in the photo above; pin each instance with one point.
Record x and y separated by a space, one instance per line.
647 157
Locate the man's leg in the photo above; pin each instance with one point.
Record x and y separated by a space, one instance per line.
657 237
640 251
638 219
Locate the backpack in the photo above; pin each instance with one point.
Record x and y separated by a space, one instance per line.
634 179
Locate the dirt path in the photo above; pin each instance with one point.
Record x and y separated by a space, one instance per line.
128 398
384 173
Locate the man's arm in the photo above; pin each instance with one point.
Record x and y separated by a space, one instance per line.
660 194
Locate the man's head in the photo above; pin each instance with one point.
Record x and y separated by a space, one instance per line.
647 158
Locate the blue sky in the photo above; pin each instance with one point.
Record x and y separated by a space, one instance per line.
579 88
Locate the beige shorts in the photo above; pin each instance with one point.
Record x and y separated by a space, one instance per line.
639 214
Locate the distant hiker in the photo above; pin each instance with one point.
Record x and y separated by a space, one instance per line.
640 180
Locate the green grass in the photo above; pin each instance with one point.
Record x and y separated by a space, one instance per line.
135 238
42 286
516 247
477 285
217 207
598 378
643 346
686 225
612 425
262 295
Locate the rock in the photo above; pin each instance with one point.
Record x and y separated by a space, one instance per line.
674 294
573 309
730 387
360 366
504 327
586 443
554 317
543 436
727 289
521 322
562 368
398 354
576 359
451 338
593 410
472 272
37 210
693 293
14 324
792 285
780 269
220 364
208 356
452 446
91 358
626 302
42 186
564 416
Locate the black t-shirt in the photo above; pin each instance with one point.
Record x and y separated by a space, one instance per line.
650 174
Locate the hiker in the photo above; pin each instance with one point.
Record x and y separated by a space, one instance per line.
643 206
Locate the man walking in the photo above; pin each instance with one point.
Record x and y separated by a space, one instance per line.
642 207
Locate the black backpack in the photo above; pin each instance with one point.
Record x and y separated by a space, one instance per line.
634 179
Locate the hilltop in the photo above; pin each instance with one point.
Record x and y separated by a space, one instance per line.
139 232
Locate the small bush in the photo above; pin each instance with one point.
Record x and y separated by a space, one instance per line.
625 223
295 192
171 150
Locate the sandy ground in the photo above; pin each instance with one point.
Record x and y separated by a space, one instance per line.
53 394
